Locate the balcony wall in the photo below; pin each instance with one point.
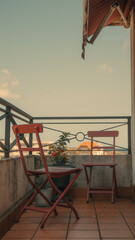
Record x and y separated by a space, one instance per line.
101 176
14 183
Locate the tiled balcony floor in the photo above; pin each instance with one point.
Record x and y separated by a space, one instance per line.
99 219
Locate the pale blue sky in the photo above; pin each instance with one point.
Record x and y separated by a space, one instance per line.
41 70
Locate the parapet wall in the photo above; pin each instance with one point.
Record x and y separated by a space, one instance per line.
102 176
14 184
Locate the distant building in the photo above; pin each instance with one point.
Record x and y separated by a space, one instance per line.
15 152
85 147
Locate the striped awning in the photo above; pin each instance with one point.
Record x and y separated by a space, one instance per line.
100 13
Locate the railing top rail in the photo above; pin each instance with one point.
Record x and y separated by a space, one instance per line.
80 117
14 108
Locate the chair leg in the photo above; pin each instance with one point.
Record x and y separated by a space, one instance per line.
89 185
113 183
88 178
26 205
86 174
62 196
37 191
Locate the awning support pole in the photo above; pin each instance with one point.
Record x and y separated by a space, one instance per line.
133 95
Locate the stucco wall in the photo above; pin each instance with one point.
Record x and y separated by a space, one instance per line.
101 176
13 182
15 186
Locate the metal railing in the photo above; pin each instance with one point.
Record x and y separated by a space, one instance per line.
100 123
77 126
11 114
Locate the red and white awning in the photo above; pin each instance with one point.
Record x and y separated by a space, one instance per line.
100 13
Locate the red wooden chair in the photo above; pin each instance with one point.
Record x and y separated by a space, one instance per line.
50 172
89 166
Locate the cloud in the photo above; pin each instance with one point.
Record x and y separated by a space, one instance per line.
5 71
124 46
8 85
6 93
105 68
15 83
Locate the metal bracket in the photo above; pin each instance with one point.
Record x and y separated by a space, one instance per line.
106 18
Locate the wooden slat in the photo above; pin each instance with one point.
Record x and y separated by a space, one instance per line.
28 128
29 149
103 133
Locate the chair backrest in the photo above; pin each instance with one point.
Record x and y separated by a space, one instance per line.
20 131
27 128
111 147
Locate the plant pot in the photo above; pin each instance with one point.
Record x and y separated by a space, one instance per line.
61 183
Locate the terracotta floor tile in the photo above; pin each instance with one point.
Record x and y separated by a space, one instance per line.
85 214
63 210
110 220
130 220
63 214
84 208
24 226
88 234
107 209
132 227
83 220
32 214
47 234
130 207
125 201
103 202
83 226
129 214
108 214
113 226
80 200
56 226
105 205
30 220
19 235
4 238
57 219
116 234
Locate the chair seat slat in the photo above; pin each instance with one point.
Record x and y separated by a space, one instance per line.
29 149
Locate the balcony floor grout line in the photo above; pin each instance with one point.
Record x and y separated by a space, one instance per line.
96 218
37 228
68 225
125 221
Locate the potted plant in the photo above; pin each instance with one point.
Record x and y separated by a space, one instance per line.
58 157
58 151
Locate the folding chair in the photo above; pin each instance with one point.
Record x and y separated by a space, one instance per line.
88 167
50 172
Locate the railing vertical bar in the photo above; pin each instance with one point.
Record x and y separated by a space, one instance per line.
129 135
7 132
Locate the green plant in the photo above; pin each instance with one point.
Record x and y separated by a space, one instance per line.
58 151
